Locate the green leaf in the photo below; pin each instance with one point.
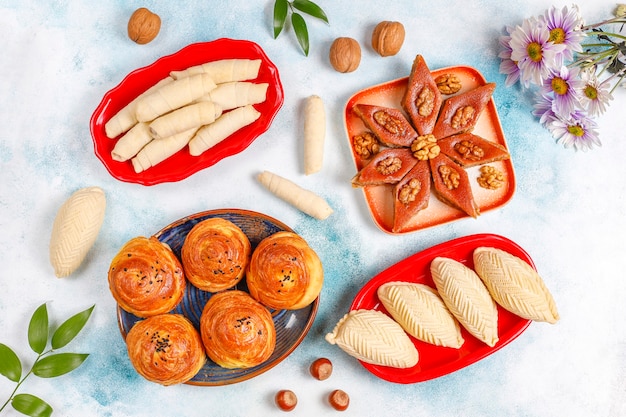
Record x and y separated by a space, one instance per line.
31 405
58 364
10 365
302 34
310 8
280 15
68 330
38 329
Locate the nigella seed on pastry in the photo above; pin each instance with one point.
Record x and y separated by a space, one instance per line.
421 312
373 337
467 298
515 285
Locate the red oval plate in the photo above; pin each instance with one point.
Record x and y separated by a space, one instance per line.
182 164
436 361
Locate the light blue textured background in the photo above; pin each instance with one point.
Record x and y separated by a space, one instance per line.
58 58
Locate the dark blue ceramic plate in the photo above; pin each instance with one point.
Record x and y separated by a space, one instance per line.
291 325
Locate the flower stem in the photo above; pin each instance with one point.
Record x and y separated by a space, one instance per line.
21 381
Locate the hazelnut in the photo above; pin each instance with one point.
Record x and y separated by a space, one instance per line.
286 400
387 38
321 368
339 400
143 26
345 54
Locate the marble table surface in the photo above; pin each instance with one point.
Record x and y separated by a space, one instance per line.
568 212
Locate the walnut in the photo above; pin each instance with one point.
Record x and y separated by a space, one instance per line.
469 150
143 26
365 145
389 165
408 192
490 178
345 54
387 121
425 102
387 38
448 83
425 147
451 178
463 117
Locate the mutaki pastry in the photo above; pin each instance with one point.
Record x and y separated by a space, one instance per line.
146 278
421 312
467 298
515 285
237 331
373 337
165 349
215 254
284 272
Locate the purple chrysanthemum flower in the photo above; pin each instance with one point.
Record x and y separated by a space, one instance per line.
595 95
578 131
543 108
507 65
564 85
564 27
533 51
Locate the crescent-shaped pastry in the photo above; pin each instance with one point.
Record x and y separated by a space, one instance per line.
373 337
421 312
237 331
515 285
165 349
146 278
215 254
467 298
285 272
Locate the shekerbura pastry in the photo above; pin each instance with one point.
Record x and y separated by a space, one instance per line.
237 331
215 254
421 312
285 272
467 298
373 337
165 349
146 278
515 285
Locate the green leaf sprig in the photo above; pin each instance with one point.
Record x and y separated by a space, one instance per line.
48 364
282 8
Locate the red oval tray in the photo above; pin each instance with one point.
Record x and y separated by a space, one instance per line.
436 361
182 164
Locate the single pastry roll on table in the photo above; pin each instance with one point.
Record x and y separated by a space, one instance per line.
146 278
166 349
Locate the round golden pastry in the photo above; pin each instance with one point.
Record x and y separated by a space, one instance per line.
237 331
284 272
146 278
215 254
166 349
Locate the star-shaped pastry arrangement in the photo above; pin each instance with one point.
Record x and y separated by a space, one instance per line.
426 144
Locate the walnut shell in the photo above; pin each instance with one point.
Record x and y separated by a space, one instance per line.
388 37
143 26
345 54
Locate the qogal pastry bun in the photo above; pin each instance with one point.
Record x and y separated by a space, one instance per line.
237 331
215 254
165 349
284 272
146 278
